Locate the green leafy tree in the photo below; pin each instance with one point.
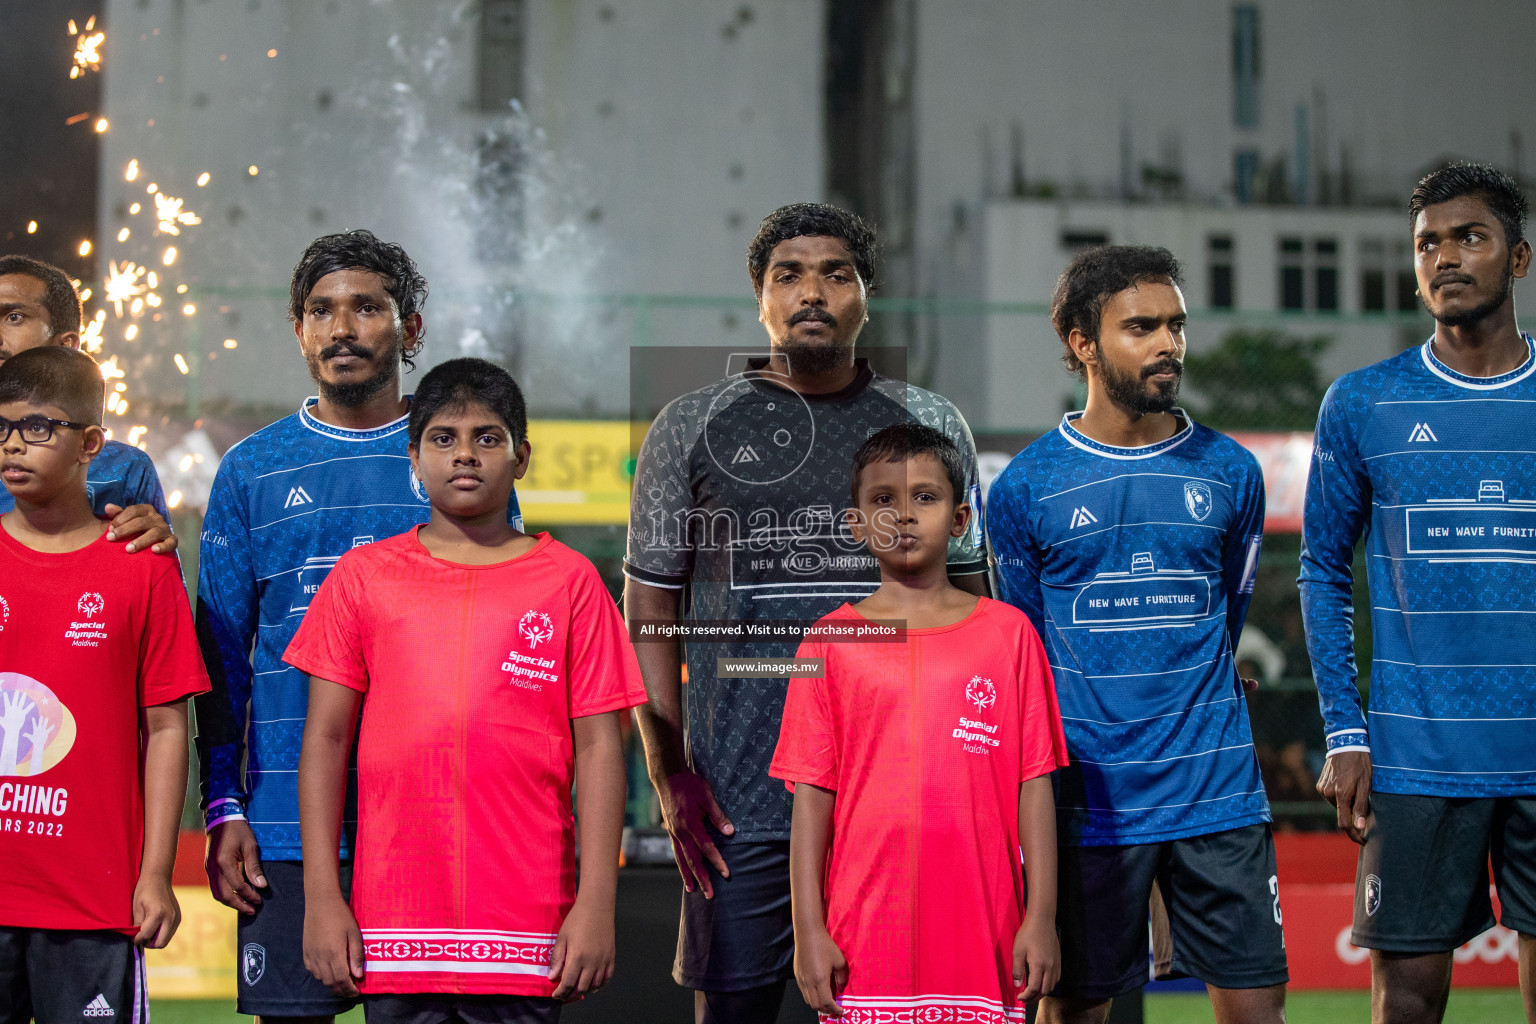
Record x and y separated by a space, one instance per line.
1258 380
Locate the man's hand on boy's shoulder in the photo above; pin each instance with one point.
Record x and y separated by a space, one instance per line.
155 913
333 944
142 527
582 960
821 971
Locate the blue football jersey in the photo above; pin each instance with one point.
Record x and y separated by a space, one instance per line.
1438 470
1136 565
120 475
287 502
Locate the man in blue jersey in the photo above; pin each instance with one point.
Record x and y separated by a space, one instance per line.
1432 455
287 502
1130 536
39 306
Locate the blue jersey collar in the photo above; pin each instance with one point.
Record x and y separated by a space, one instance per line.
1081 440
342 433
1519 373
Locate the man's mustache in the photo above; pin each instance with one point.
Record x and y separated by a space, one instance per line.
342 348
813 313
1173 366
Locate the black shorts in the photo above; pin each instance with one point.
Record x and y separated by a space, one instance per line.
745 937
1222 900
270 977
87 976
450 1009
1422 881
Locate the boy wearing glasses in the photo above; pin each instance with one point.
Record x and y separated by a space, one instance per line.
97 660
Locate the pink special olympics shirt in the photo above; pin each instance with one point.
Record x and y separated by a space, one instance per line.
465 864
926 743
87 638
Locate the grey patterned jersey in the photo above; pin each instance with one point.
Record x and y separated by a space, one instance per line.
739 495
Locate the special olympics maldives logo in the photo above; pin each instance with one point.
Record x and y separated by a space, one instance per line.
91 604
981 693
36 729
536 627
5 613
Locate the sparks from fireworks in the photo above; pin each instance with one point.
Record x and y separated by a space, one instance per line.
87 48
169 212
123 285
90 337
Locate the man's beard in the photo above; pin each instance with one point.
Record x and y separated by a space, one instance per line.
1131 391
1468 317
813 360
816 358
356 393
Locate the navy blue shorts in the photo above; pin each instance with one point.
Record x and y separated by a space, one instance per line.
1222 900
744 938
453 1009
270 977
1422 881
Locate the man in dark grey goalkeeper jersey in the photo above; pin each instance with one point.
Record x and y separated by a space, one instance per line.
739 493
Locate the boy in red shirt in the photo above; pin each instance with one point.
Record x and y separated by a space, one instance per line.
493 663
921 764
97 660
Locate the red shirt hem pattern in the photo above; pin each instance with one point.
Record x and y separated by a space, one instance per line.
466 961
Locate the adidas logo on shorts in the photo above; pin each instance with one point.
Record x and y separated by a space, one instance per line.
98 1007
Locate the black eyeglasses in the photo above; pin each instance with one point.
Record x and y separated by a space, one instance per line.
35 429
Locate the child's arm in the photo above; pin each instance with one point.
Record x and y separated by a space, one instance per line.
155 910
1036 949
333 945
582 960
821 970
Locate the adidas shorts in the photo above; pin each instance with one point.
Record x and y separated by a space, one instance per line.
85 976
1422 881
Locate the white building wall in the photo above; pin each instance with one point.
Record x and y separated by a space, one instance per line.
1097 84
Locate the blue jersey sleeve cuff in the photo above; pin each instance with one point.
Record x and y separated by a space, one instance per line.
219 811
1348 740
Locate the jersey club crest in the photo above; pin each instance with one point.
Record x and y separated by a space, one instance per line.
1197 498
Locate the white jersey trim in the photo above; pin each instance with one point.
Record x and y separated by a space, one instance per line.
345 433
1461 380
1078 439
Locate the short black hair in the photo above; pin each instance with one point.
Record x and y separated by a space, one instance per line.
1095 275
457 383
799 219
902 441
54 375
59 296
359 249
1498 191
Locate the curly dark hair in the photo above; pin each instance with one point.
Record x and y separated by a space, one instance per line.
1095 275
59 296
798 219
360 249
456 383
1498 191
902 441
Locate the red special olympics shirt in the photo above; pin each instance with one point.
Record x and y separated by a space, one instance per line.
465 864
925 743
87 638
